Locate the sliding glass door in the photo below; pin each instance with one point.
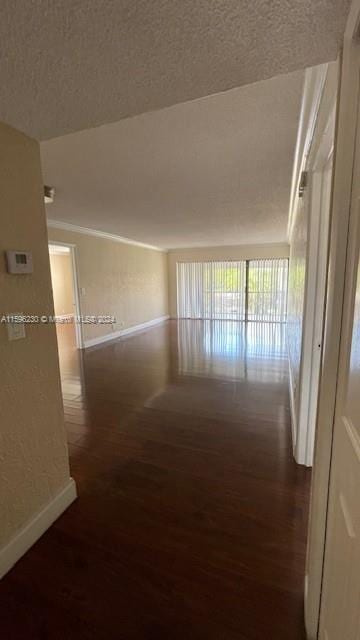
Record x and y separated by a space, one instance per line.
214 290
233 290
267 290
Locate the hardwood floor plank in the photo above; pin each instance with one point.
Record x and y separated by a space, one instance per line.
192 515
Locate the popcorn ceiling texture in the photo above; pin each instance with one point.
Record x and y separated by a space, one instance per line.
215 171
73 64
33 452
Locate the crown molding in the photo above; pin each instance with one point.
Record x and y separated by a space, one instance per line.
231 247
67 226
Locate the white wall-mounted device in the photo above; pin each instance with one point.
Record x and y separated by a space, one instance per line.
15 328
19 261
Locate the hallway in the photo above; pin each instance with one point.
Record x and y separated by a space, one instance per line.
191 518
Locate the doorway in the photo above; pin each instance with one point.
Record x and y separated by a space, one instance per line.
66 297
333 584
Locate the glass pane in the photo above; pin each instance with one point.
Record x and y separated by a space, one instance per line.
267 295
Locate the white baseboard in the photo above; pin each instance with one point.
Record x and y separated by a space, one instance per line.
29 534
125 332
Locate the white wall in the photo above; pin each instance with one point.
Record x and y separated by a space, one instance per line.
202 254
34 467
296 303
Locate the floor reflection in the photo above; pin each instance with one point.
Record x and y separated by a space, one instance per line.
71 361
179 441
252 350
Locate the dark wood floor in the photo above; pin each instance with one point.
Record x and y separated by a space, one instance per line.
191 517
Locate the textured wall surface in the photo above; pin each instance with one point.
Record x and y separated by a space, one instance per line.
74 64
244 252
33 451
62 284
208 172
123 280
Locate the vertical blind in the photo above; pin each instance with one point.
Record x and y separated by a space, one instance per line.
267 290
233 290
214 290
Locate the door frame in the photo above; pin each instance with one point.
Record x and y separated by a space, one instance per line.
75 285
319 155
347 114
314 148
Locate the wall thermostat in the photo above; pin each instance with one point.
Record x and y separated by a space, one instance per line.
19 261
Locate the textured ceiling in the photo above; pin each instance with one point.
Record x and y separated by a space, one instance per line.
67 65
214 171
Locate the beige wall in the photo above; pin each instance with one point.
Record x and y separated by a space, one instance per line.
33 452
121 280
240 252
62 284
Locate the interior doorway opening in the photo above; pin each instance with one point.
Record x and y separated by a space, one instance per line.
66 296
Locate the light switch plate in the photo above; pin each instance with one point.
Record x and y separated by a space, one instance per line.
19 262
15 330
